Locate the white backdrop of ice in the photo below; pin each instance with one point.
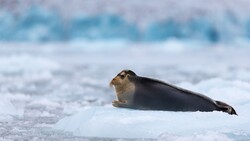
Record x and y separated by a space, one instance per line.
208 136
26 63
52 81
8 110
126 123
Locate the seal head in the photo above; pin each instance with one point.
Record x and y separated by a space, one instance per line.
124 88
122 78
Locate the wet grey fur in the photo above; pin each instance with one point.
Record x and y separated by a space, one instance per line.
151 94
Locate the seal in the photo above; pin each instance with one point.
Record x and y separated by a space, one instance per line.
144 93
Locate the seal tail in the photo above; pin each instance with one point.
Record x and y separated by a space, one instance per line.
225 108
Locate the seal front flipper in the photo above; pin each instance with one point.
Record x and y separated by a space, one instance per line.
225 108
122 104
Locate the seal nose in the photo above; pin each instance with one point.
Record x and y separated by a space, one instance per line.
112 82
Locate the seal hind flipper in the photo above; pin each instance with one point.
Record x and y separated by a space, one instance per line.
226 108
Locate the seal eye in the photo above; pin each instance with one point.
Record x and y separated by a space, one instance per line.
122 76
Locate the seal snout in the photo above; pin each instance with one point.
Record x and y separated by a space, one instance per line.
114 82
111 82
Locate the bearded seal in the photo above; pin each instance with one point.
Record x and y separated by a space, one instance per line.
144 93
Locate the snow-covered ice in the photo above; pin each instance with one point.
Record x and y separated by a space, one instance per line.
126 123
208 136
53 84
8 110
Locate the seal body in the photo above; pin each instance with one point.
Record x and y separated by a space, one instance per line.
149 94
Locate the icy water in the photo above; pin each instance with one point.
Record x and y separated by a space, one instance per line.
48 82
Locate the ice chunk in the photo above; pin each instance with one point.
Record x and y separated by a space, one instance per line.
127 123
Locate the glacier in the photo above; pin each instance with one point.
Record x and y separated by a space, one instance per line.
48 22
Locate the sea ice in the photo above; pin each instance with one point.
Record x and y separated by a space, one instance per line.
50 82
208 136
8 110
127 123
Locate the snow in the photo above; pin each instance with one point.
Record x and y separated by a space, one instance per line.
8 110
208 136
47 85
127 123
24 63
